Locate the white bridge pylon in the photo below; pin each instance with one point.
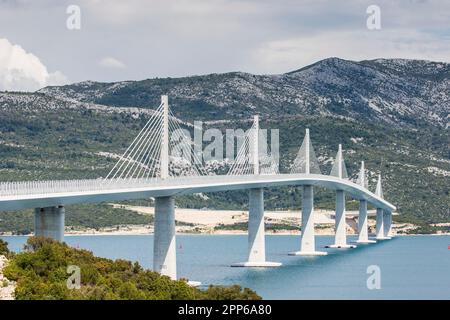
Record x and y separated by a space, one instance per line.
306 163
363 228
384 217
162 149
248 161
339 170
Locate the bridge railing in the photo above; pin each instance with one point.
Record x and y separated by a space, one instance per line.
61 186
24 188
32 188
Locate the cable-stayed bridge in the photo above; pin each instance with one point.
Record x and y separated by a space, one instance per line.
161 162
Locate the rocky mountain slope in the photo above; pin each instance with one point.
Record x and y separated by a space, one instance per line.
401 92
394 114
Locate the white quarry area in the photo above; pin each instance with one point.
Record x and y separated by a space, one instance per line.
180 166
108 155
437 171
439 159
356 140
323 160
11 144
201 196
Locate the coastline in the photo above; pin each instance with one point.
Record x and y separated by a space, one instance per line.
232 222
216 233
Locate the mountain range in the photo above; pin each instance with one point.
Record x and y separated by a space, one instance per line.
395 91
392 113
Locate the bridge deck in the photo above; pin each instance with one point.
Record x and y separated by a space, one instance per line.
102 191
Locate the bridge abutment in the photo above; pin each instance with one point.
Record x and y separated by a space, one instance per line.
164 245
49 222
307 240
340 238
256 232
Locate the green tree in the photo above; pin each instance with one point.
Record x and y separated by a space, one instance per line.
4 248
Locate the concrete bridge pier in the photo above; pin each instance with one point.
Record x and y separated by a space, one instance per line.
380 225
49 222
387 221
164 246
256 233
363 232
340 239
307 241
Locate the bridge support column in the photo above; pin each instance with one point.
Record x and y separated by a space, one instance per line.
164 246
307 241
49 222
256 234
363 232
340 239
387 220
380 225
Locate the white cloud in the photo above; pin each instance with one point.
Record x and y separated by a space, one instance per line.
110 62
22 71
161 38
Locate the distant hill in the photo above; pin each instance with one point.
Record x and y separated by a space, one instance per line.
392 91
392 113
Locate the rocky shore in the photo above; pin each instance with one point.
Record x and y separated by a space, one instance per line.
7 287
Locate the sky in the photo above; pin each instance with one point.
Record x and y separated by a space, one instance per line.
41 44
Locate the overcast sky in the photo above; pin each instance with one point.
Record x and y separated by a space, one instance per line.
138 39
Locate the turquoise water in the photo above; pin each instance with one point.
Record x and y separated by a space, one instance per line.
413 267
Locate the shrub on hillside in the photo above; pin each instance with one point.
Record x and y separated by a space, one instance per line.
41 273
4 248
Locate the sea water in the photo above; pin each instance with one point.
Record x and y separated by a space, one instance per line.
405 267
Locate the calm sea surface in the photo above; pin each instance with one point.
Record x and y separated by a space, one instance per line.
413 267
